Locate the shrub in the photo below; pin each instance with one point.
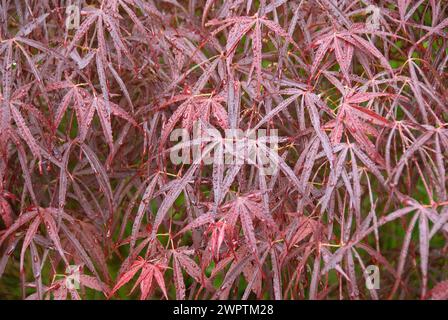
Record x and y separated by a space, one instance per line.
93 206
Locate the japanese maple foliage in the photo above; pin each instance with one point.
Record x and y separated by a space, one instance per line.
357 91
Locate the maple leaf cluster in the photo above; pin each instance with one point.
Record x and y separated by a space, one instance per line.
87 111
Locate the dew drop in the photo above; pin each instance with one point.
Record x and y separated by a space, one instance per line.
10 251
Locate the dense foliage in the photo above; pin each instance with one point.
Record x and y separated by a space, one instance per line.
357 90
